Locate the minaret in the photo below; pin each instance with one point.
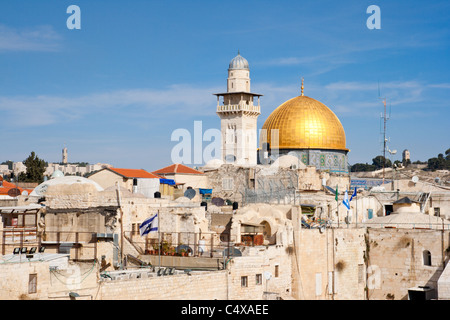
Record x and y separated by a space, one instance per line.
238 115
64 155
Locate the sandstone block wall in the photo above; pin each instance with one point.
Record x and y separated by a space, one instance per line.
396 259
201 286
329 264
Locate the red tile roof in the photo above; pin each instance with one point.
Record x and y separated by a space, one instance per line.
134 173
177 168
6 186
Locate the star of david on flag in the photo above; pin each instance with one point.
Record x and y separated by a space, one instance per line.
149 225
353 195
345 201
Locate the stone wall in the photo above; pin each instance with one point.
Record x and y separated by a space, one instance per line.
221 285
14 279
197 286
444 285
330 264
396 260
51 282
272 261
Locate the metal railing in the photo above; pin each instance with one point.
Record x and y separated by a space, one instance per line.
186 244
238 107
56 241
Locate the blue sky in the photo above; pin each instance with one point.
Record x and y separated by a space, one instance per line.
115 90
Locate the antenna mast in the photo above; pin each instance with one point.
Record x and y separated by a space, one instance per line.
385 118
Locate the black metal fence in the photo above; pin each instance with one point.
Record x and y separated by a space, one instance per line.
184 244
84 245
80 245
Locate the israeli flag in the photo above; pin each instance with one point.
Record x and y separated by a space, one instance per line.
353 195
345 201
149 225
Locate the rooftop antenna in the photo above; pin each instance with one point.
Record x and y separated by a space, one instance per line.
385 119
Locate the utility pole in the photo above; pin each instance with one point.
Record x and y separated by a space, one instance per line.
384 137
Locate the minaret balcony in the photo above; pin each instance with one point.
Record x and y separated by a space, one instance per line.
238 108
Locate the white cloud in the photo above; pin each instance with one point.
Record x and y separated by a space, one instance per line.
440 85
180 100
345 98
39 38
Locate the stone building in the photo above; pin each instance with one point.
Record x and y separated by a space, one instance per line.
133 180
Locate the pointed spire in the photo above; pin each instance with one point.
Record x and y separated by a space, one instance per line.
239 53
302 87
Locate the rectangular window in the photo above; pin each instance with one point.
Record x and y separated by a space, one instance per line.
277 271
360 273
32 283
244 281
259 279
318 284
227 183
330 282
437 212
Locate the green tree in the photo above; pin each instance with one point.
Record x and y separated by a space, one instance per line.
447 159
440 162
379 160
362 167
406 162
35 169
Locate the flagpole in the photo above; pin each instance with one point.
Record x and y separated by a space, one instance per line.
159 241
356 214
337 204
346 197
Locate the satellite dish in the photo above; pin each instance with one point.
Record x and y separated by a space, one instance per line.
437 179
14 192
267 275
232 252
190 193
218 202
230 158
415 179
322 229
41 189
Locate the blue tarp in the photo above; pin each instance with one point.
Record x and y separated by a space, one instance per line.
205 191
170 182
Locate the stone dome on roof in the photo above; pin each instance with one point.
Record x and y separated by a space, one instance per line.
213 164
57 174
408 220
239 63
66 184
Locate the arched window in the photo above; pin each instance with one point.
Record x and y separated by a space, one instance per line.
426 258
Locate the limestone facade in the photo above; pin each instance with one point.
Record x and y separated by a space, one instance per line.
400 259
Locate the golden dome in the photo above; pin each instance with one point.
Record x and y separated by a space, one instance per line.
304 123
